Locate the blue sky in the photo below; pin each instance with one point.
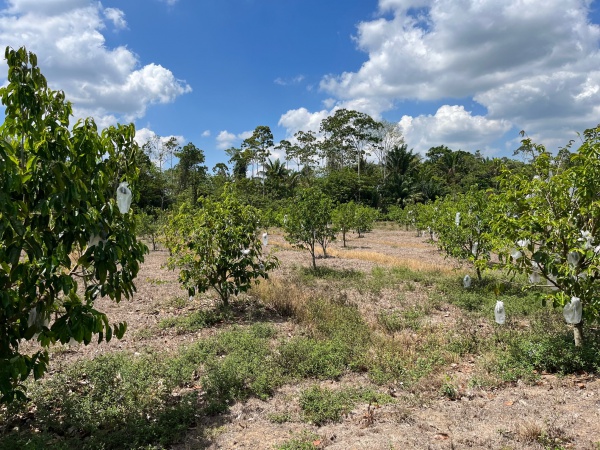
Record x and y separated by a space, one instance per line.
464 73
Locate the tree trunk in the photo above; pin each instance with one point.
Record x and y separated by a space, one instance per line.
314 261
478 274
344 237
578 334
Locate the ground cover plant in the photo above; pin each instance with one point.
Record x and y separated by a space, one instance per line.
412 338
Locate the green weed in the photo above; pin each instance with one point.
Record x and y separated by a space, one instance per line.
304 441
195 321
241 366
113 401
279 417
328 273
322 405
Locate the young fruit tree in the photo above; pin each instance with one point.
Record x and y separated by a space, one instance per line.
462 223
344 218
150 226
364 219
218 246
60 224
551 222
308 222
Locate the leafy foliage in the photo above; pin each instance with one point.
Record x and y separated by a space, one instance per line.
550 223
463 223
308 222
151 226
344 218
364 219
217 246
59 222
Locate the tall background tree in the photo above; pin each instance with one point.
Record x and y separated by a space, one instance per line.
191 171
349 137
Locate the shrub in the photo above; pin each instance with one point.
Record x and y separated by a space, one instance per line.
308 222
218 247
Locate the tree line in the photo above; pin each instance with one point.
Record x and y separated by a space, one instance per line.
354 158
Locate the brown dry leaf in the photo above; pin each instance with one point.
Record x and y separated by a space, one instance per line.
442 436
317 443
509 403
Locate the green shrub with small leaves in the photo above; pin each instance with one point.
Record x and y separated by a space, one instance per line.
364 219
217 246
308 222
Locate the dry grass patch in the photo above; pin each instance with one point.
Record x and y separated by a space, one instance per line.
529 432
286 298
395 244
388 260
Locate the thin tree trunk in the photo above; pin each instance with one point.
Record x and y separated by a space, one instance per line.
578 334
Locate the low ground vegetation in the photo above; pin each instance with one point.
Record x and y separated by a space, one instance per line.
353 346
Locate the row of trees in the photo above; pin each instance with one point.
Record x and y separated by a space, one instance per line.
354 158
543 222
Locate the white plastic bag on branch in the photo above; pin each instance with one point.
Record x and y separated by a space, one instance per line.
573 258
499 313
39 320
474 248
124 197
265 239
587 238
457 219
467 282
534 277
95 240
515 254
573 310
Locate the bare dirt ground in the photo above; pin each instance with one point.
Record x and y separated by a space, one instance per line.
501 418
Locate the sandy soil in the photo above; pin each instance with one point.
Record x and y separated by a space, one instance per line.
568 408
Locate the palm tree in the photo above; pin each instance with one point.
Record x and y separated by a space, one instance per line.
276 176
401 165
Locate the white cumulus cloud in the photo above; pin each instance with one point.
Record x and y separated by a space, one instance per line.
302 119
67 36
225 139
534 64
116 16
452 126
